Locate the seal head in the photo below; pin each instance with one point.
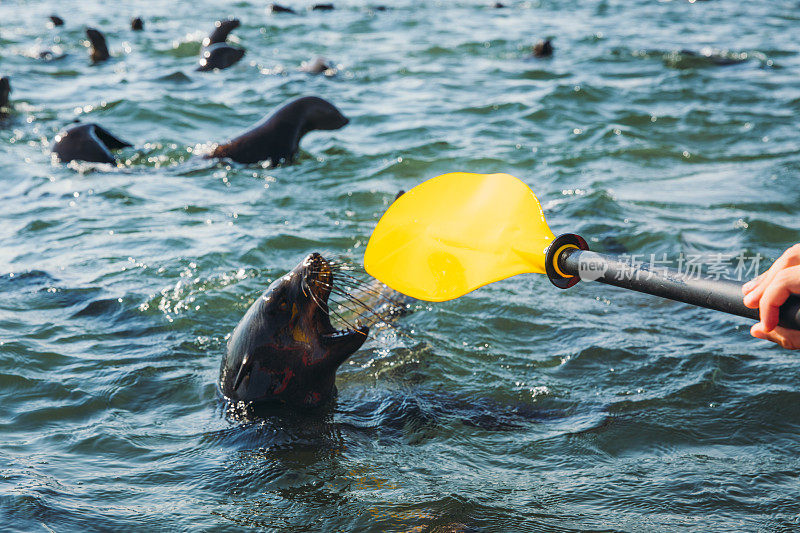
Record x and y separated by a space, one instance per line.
99 49
285 350
87 142
222 28
543 49
318 65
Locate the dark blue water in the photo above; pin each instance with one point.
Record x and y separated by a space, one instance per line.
516 408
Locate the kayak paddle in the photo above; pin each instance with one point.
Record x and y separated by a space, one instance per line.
457 232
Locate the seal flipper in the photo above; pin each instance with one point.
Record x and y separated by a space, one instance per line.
111 142
244 370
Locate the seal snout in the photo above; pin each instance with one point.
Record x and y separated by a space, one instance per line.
318 272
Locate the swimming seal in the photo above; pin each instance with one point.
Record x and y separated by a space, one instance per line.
277 137
99 49
50 55
277 8
322 7
219 56
716 58
5 93
216 52
543 49
285 350
56 20
87 142
137 24
317 66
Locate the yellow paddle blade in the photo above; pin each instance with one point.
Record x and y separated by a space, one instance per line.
457 232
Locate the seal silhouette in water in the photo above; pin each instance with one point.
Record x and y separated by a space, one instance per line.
216 52
5 93
277 137
87 142
277 8
543 49
56 20
318 65
285 350
99 49
137 24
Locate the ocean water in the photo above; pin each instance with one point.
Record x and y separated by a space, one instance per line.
518 407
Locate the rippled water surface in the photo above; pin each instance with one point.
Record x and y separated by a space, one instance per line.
516 408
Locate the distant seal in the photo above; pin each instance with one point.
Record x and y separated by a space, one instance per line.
5 93
318 65
56 20
322 7
216 52
543 48
50 55
716 58
498 5
87 142
285 350
99 50
277 8
219 56
277 137
137 24
222 28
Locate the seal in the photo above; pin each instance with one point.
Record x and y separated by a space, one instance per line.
99 49
219 56
222 28
715 58
87 142
322 7
277 137
5 93
56 20
543 49
277 8
318 65
285 350
216 52
137 24
50 55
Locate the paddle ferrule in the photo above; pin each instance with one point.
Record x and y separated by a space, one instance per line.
569 260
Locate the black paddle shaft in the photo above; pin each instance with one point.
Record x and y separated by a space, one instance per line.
575 261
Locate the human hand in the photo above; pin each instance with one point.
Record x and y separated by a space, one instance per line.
768 292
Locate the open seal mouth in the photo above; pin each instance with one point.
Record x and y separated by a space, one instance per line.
318 285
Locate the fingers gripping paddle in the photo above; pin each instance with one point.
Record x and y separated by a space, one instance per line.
460 231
